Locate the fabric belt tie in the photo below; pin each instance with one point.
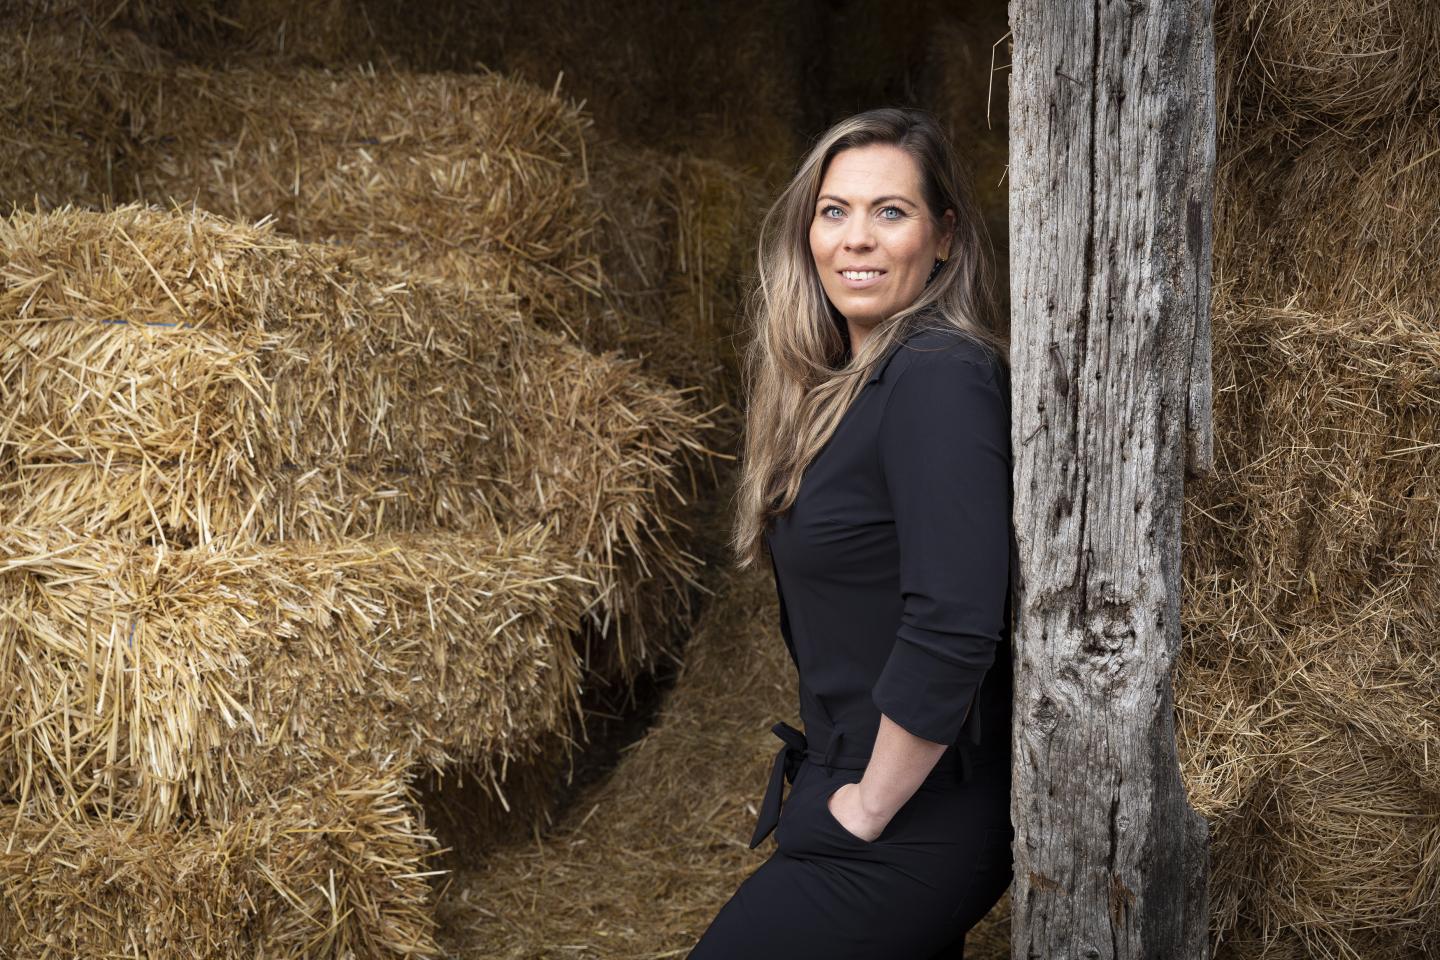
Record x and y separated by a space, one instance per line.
787 763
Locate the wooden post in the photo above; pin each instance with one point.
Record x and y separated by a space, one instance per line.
1112 144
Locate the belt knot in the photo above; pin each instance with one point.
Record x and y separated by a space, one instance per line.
787 764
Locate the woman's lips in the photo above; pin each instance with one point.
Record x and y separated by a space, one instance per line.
862 284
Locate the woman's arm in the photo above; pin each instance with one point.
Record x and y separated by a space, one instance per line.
945 451
898 765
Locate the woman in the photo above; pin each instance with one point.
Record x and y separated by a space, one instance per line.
877 473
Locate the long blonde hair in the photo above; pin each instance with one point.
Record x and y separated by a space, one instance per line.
798 379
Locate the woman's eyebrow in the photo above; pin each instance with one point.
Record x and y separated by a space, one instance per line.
890 196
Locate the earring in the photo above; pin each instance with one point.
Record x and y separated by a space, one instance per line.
939 262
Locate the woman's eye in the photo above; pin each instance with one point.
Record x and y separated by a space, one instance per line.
898 213
825 211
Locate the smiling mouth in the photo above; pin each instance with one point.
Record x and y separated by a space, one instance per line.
861 274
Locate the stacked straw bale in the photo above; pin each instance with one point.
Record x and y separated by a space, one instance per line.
1310 620
1334 220
1340 63
677 240
334 866
66 114
670 85
478 179
473 178
150 684
174 377
1309 683
480 183
273 513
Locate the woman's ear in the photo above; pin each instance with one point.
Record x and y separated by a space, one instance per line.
947 235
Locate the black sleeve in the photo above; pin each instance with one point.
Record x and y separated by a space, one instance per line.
945 449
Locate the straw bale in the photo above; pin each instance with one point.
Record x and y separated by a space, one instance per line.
1222 726
1356 873
603 458
480 179
317 32
188 502
677 243
1253 686
267 388
332 865
1310 587
1328 476
1379 669
1367 657
1309 675
1334 221
1234 689
160 682
175 376
149 335
1336 62
66 114
669 85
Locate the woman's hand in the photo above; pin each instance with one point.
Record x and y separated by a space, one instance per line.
846 808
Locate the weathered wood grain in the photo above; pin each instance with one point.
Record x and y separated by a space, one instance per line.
1112 136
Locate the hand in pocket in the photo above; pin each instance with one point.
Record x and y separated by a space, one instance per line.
844 809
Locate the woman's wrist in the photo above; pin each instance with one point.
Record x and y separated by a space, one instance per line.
899 763
877 805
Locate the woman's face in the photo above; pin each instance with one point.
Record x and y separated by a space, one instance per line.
872 237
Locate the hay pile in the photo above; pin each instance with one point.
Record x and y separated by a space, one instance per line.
1309 679
1334 221
476 179
1310 620
66 116
1336 63
272 513
666 84
204 416
150 684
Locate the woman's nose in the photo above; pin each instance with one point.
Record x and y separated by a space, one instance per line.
857 234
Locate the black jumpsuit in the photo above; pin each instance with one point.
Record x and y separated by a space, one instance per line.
893 574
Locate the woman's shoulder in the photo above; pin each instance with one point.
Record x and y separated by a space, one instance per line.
942 349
